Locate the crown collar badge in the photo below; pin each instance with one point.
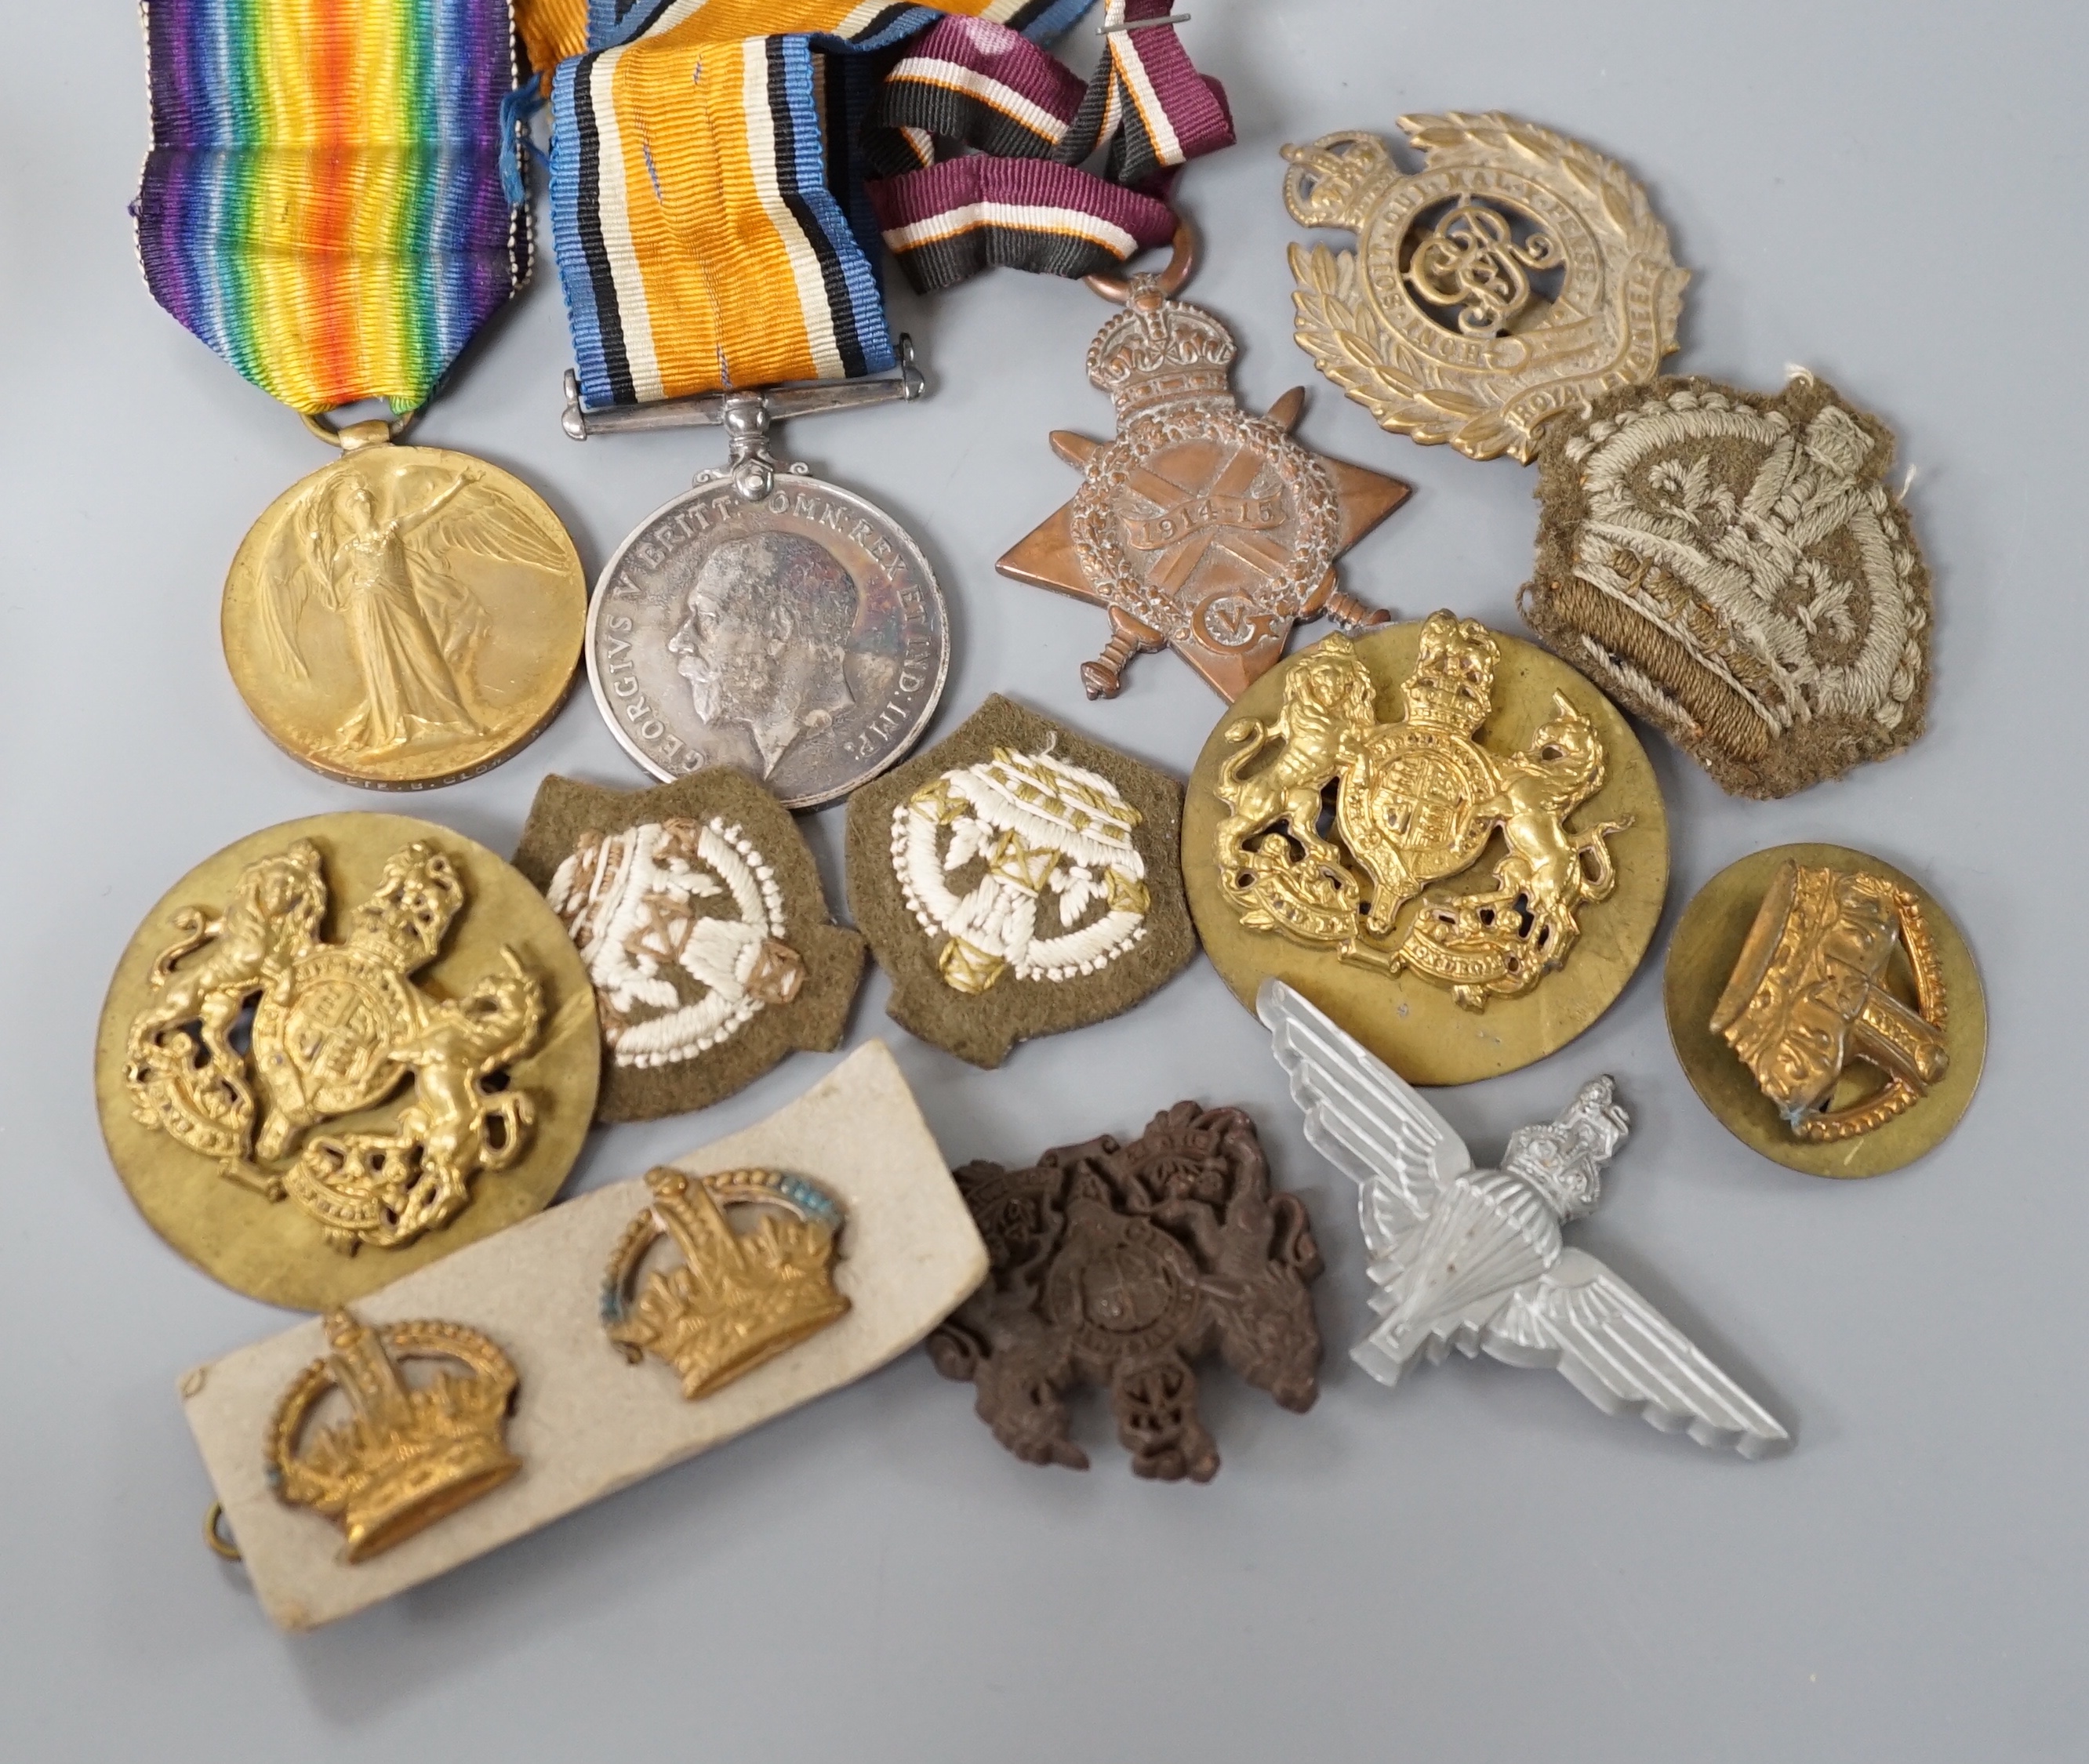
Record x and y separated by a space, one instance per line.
407 1455
738 1298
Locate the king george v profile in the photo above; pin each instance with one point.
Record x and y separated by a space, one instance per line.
766 625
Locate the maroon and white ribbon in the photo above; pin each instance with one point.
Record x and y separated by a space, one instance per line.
978 136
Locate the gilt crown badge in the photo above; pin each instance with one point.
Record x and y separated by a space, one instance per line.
1826 1009
737 1298
407 1455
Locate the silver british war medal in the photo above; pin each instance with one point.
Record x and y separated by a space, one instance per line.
765 620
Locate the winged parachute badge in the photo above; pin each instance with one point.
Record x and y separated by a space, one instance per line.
1475 1259
405 617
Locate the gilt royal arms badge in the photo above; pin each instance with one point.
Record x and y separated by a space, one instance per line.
355 1034
1326 825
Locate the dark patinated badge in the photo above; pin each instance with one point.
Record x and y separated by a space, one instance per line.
1120 1266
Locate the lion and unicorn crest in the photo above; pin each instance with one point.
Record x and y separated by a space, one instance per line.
335 1029
1416 801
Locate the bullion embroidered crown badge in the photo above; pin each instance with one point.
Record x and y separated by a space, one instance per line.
407 1455
736 1298
1734 568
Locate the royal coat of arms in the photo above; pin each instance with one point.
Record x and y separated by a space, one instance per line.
336 1029
1417 801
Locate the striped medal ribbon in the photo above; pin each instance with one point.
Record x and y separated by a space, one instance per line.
723 171
324 202
333 202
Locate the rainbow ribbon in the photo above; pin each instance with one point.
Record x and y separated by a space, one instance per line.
324 202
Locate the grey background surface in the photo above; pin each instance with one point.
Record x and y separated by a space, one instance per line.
1478 1567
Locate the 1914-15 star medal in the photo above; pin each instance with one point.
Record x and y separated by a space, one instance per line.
1200 526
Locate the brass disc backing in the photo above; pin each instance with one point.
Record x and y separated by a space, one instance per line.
406 617
1701 956
1411 1022
274 1251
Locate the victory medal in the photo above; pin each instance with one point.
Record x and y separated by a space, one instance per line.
406 617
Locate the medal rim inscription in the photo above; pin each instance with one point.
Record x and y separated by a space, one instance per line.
1411 1022
1701 953
249 676
272 1251
709 490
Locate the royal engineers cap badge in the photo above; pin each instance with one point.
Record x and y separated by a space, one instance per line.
1518 274
1443 741
1826 1009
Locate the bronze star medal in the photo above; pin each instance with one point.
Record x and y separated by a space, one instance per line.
1200 526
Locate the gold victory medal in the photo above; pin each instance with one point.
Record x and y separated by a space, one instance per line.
406 617
341 1048
1826 1010
1361 775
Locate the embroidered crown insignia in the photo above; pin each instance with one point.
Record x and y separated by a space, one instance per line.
737 1298
408 1455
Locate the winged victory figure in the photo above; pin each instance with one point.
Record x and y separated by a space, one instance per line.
1474 1259
381 558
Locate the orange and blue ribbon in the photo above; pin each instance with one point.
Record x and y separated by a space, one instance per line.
325 202
720 187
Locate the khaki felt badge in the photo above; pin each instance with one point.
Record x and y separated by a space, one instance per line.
698 908
1016 880
1734 569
